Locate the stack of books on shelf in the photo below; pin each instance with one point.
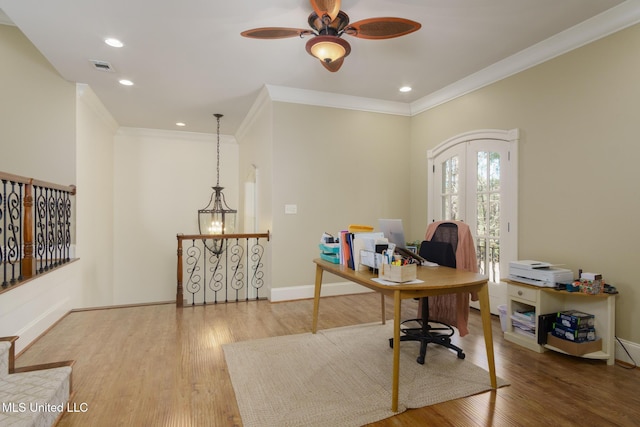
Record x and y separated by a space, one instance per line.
524 323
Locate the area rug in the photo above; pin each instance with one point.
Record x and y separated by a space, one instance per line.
341 377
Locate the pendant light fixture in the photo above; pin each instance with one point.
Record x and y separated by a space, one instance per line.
217 217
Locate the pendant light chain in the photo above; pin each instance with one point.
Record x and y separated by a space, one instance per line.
218 152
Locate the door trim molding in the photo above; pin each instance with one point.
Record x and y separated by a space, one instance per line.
511 135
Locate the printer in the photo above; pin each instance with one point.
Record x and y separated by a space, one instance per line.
538 273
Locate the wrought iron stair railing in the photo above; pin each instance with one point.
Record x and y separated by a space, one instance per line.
35 228
220 268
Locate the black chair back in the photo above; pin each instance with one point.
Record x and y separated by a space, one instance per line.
439 252
447 232
441 249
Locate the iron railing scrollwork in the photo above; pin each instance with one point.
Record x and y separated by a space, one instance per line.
11 231
52 227
47 227
220 268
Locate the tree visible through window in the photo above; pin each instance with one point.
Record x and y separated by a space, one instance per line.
488 214
450 188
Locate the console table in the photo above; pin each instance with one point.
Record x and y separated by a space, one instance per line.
524 297
436 281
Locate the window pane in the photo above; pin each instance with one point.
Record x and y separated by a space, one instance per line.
445 177
494 172
481 222
446 208
450 175
481 254
494 260
450 207
455 208
494 211
482 171
450 188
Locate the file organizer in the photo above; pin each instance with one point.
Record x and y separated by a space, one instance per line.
330 252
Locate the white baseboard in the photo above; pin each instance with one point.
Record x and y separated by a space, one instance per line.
632 348
290 293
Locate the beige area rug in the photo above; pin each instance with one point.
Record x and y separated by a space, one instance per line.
341 377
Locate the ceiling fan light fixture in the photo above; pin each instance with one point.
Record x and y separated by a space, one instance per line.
328 48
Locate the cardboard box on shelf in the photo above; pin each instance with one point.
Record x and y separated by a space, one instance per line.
574 348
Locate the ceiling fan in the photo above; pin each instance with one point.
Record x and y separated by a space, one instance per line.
328 23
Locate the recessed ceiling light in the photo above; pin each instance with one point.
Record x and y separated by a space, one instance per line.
181 124
405 89
125 82
113 42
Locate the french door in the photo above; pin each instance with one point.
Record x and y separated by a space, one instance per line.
473 178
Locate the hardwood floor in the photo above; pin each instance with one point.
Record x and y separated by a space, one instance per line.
157 365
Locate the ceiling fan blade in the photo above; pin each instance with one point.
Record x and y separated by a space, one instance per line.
328 7
275 33
333 66
382 28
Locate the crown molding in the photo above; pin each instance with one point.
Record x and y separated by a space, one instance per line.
174 135
258 104
336 100
87 97
615 19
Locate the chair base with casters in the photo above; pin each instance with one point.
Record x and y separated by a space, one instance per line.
427 332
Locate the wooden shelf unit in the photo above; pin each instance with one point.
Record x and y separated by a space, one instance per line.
521 296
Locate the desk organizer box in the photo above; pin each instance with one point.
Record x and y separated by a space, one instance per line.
398 273
330 252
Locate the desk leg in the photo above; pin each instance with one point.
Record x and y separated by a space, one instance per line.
483 294
397 304
384 315
316 299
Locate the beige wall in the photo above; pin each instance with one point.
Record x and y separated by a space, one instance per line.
94 203
256 165
31 91
579 154
256 150
339 167
161 179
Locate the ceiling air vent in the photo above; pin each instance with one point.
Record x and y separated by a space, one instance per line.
102 65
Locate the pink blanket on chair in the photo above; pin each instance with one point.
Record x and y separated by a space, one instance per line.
454 308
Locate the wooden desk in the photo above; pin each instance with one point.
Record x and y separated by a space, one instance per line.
437 281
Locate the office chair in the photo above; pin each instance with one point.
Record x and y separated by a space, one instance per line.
441 249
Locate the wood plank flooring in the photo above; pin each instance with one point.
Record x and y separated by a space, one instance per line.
156 365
